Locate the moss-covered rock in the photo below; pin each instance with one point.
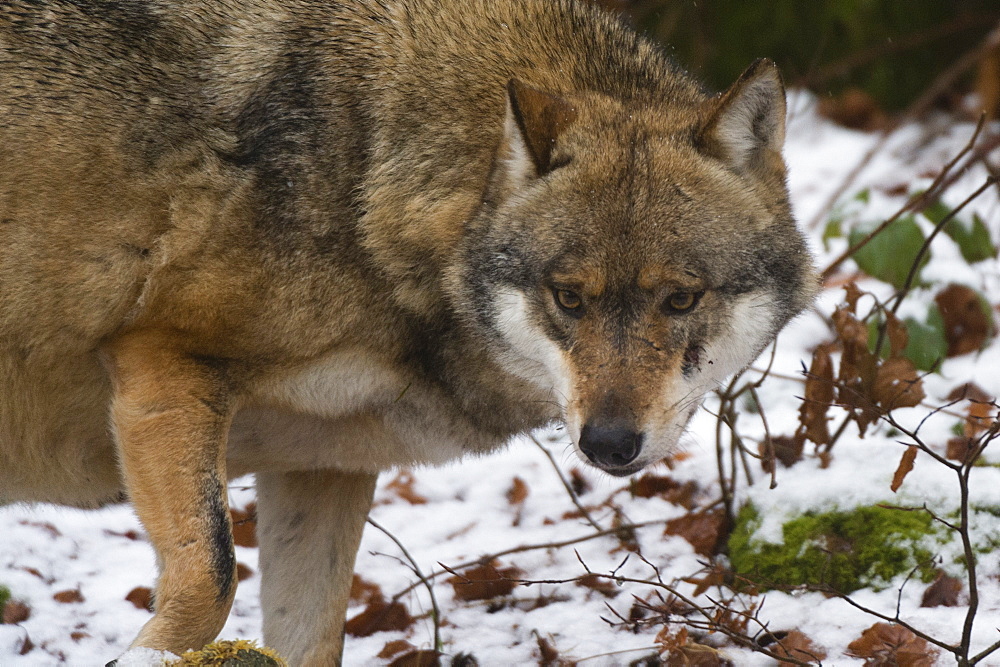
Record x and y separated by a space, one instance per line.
865 547
239 653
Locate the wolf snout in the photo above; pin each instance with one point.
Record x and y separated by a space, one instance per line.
611 447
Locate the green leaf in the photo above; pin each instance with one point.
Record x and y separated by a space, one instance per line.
833 230
973 239
889 256
936 212
926 344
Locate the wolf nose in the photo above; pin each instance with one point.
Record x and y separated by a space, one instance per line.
610 446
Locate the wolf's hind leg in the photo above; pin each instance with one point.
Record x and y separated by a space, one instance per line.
309 528
171 413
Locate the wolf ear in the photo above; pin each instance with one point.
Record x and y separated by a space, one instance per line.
534 121
745 126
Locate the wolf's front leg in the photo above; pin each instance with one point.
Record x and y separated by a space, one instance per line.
309 526
171 413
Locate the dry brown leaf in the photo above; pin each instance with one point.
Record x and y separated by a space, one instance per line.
243 572
966 324
15 611
78 635
517 492
704 530
944 592
819 396
127 534
960 448
898 336
141 597
696 655
395 647
579 483
422 658
854 108
858 369
904 468
44 525
886 644
402 486
602 585
850 330
379 616
547 653
794 644
786 448
851 295
484 582
363 590
666 487
897 385
715 576
245 526
980 419
26 646
69 596
969 391
670 638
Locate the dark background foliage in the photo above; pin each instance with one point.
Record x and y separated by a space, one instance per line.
892 50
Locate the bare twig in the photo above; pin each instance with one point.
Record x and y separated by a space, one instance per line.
566 485
425 581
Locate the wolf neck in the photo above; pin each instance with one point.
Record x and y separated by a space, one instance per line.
441 103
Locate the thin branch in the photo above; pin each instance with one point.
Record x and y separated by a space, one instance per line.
438 645
566 485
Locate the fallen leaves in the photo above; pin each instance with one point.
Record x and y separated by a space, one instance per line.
968 323
944 592
602 585
402 485
15 611
69 596
867 385
819 396
245 526
886 644
905 466
379 616
792 644
484 582
704 530
518 491
664 486
141 597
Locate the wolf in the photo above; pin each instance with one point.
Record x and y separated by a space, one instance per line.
315 240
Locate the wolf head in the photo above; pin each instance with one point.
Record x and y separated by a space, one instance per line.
628 257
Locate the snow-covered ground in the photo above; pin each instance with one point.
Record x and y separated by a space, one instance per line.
466 511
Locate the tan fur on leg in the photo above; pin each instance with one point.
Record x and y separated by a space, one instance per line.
171 413
309 526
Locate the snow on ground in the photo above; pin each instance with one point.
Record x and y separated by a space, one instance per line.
103 554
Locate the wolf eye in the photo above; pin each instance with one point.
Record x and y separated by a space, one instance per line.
679 303
568 300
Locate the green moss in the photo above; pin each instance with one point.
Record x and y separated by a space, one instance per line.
862 548
238 653
4 596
